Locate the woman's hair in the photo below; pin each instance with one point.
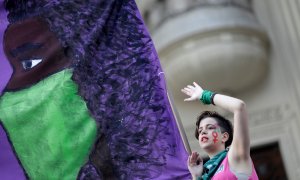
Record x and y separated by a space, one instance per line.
224 123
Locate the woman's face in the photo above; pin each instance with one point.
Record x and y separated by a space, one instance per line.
33 51
210 135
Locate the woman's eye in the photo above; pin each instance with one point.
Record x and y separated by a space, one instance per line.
29 64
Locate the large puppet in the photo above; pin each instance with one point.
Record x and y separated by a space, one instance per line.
85 97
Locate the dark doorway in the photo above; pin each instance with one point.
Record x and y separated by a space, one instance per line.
268 162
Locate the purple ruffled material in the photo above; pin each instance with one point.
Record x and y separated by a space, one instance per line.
120 78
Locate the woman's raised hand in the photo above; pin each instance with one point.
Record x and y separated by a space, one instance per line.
194 92
195 164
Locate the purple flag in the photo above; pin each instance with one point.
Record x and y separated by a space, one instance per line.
119 84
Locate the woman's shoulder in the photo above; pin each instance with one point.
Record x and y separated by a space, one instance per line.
224 172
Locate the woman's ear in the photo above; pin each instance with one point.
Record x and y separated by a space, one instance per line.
225 137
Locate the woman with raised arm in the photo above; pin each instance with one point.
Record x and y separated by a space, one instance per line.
215 135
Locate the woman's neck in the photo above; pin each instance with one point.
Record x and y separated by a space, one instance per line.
214 152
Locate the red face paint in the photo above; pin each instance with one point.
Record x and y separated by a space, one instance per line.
215 135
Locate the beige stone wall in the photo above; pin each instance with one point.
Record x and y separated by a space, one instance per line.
274 103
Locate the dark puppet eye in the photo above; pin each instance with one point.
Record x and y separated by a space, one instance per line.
29 64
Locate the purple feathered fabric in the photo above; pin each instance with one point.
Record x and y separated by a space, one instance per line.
119 76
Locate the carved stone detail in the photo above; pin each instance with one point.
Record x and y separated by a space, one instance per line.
273 114
157 11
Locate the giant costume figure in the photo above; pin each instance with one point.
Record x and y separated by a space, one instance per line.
83 94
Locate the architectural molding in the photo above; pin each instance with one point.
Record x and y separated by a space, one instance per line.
275 114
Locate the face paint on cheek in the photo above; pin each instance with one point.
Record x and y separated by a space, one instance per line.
215 135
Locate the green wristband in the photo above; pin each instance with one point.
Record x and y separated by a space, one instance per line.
206 97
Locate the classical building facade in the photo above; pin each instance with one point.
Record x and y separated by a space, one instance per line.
245 48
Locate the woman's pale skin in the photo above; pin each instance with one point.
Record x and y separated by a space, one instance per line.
239 153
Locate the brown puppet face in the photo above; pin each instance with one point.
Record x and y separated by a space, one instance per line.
42 120
33 51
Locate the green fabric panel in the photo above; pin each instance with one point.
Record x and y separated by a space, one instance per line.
50 127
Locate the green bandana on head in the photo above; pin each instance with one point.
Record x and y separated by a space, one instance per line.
211 166
50 127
